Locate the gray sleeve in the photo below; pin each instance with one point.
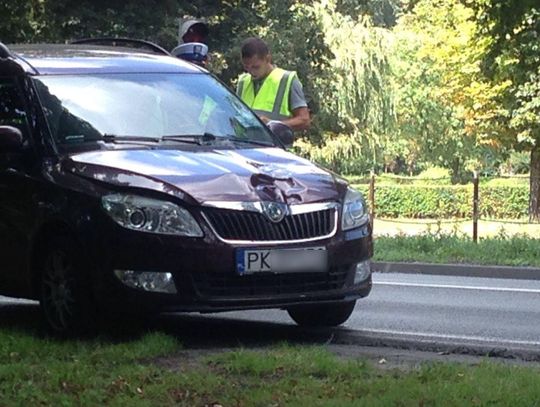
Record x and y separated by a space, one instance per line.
296 96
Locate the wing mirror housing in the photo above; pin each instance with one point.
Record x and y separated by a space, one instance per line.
283 132
11 139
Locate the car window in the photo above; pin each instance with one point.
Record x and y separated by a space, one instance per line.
12 111
86 107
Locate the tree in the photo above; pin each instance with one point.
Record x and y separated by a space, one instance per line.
19 25
514 57
357 115
446 108
383 13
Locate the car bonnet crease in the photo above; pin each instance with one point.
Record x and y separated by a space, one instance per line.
247 175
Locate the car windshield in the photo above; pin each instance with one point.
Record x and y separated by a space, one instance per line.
172 107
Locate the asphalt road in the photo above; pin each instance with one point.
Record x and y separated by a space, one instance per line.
443 314
440 313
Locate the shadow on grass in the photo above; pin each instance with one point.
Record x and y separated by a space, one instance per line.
192 330
203 332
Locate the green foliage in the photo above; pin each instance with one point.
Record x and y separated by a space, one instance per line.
440 202
452 248
447 111
383 12
516 163
505 182
514 56
340 153
357 92
65 20
442 175
17 21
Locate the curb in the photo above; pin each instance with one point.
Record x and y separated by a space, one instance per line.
465 270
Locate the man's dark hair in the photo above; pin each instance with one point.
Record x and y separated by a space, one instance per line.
254 46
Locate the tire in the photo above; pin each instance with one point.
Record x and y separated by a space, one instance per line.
333 314
64 289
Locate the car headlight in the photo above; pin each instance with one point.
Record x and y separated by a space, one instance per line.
150 215
355 212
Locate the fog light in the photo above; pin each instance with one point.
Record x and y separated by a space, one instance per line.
147 281
363 270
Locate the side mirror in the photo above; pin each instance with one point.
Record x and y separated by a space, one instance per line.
282 132
11 139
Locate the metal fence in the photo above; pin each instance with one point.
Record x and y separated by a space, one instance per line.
475 220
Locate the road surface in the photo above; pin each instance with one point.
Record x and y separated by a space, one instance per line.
444 314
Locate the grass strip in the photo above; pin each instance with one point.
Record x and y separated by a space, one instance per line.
451 248
36 371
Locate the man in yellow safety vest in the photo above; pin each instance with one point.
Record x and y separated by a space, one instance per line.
273 93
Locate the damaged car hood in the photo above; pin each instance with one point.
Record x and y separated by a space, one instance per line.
247 175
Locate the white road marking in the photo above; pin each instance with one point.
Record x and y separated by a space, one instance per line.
454 337
460 287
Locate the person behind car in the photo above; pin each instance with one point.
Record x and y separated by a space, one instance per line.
273 93
194 37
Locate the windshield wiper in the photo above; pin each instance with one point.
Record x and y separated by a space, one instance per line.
198 139
113 138
248 141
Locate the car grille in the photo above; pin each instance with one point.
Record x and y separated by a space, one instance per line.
254 226
233 285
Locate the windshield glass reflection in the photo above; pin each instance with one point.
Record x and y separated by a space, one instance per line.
82 108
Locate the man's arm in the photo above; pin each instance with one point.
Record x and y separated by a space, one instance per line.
300 119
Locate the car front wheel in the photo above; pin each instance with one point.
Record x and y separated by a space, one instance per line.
65 297
332 314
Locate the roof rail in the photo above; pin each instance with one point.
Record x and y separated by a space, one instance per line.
4 51
118 42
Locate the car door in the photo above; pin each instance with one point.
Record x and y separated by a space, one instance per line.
15 191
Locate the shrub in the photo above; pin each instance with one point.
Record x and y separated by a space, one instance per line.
439 174
448 201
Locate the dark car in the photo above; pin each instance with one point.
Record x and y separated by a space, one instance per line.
136 183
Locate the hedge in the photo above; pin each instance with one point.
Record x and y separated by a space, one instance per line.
448 201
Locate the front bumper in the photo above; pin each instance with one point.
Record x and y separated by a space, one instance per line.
204 272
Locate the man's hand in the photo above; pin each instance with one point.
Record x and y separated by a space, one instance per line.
264 119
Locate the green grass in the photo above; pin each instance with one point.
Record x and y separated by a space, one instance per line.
311 376
35 371
40 371
452 248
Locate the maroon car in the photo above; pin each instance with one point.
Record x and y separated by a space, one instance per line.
134 182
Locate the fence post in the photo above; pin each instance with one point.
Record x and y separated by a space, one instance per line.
475 207
372 200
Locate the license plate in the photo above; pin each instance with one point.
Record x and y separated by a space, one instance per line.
313 259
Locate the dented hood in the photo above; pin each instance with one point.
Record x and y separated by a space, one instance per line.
265 174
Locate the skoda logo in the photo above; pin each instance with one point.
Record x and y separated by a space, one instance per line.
274 211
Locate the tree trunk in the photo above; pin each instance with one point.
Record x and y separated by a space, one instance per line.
456 171
534 195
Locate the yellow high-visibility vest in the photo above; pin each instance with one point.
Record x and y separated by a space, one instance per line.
272 99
